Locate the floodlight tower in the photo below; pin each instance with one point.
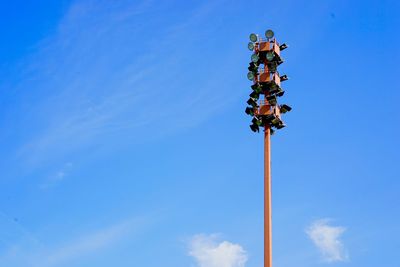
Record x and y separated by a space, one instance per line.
266 112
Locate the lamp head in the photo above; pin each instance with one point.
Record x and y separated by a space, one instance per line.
269 34
285 108
250 75
250 46
249 111
284 78
254 128
253 37
255 58
283 46
270 56
252 102
255 95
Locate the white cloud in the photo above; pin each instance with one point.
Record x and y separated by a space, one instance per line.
327 239
210 253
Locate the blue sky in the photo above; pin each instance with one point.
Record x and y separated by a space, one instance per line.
124 140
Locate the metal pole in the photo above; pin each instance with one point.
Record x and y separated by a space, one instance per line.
267 199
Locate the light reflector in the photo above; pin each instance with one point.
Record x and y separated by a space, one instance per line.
285 108
250 76
255 58
269 34
250 46
253 37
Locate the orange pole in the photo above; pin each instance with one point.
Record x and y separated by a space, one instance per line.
267 199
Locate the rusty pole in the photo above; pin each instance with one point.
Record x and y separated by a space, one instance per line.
267 199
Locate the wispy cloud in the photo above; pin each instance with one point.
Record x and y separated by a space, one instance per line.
327 239
105 77
24 252
208 252
56 177
88 244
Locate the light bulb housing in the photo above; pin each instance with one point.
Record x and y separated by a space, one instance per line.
249 111
269 34
250 76
270 56
285 108
253 37
283 46
255 58
250 46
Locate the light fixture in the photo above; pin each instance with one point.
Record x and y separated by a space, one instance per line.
249 111
256 121
274 89
255 95
280 92
255 58
267 118
266 83
285 108
280 125
252 102
257 88
254 127
250 46
270 56
276 121
269 34
250 75
253 67
272 131
283 46
272 100
284 78
272 66
253 37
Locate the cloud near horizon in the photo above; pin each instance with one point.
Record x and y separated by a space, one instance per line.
208 252
327 239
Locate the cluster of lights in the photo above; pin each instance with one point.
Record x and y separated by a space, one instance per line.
266 81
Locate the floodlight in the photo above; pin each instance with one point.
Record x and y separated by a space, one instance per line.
271 100
272 66
249 111
256 121
257 88
283 46
269 34
250 46
276 121
252 102
253 67
280 125
270 56
267 118
253 37
274 89
272 131
250 75
284 78
255 95
254 128
255 58
285 108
